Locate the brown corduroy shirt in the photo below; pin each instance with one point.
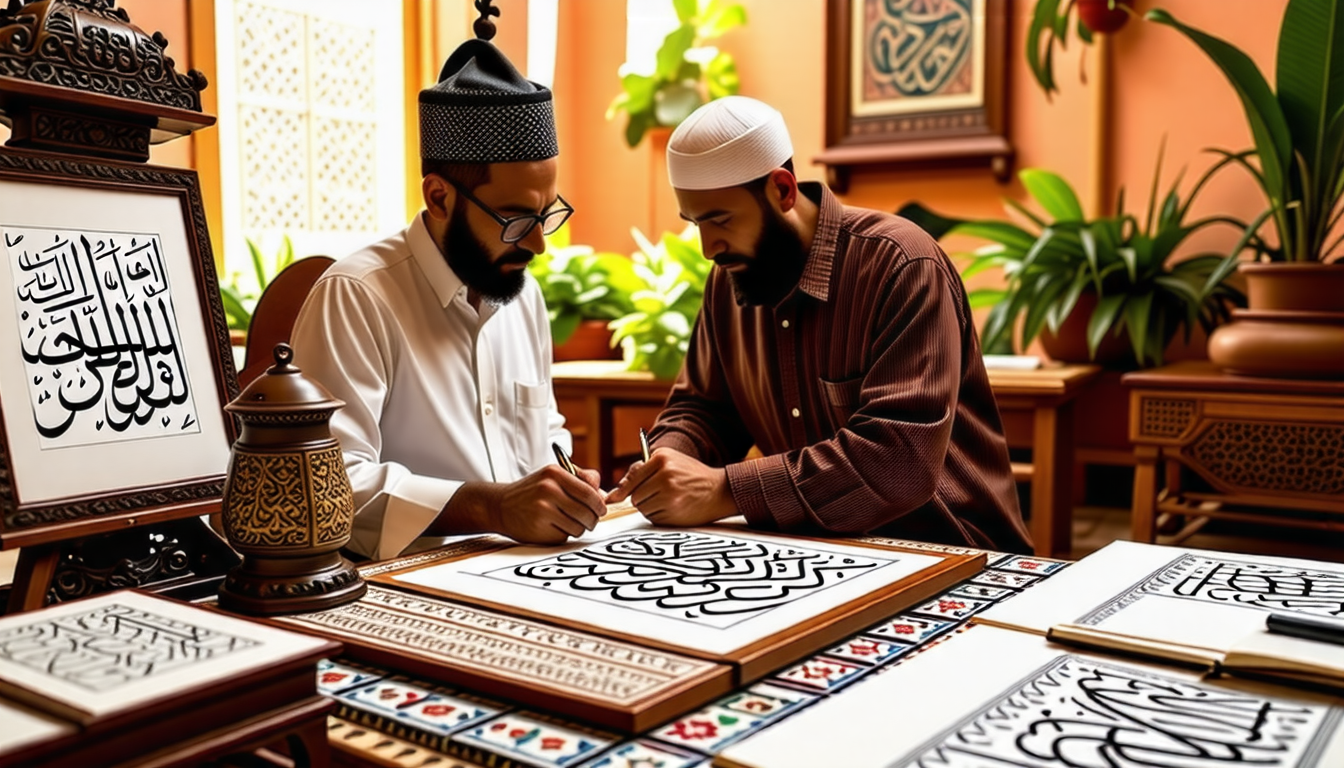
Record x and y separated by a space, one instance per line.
864 388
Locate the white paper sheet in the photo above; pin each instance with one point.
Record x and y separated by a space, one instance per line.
21 726
994 697
113 652
709 589
1193 597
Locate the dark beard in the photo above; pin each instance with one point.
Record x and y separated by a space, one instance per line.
470 260
775 268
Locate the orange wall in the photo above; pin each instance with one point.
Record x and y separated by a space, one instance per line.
1161 85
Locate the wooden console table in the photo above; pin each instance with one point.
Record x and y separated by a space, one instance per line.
1045 397
1255 443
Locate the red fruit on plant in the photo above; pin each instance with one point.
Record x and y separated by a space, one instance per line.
1099 16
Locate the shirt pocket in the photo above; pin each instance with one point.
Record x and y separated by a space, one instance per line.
533 413
842 399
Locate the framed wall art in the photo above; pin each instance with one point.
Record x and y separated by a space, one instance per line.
915 82
115 362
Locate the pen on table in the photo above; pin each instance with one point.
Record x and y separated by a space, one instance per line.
1307 627
564 460
644 443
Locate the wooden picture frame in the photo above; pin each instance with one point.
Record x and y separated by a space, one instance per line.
768 649
149 350
919 86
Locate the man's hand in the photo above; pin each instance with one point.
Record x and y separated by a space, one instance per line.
674 489
547 507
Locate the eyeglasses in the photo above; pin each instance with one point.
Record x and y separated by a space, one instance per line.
516 228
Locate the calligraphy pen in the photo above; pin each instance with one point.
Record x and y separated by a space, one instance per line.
564 460
644 443
1306 627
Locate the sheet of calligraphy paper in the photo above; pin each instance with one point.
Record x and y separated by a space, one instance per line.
703 588
1011 700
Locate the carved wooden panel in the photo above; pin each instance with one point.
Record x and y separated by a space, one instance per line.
1302 458
609 682
1165 416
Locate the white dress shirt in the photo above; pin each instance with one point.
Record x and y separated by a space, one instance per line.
435 394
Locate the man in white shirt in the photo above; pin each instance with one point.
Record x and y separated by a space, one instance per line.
437 338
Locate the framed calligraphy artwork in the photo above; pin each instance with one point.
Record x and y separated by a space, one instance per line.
115 362
724 594
915 82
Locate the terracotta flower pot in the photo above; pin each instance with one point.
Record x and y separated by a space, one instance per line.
1099 17
591 341
1294 327
1069 344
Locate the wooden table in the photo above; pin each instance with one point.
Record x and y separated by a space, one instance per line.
1253 443
1045 396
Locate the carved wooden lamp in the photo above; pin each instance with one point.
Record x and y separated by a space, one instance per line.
288 506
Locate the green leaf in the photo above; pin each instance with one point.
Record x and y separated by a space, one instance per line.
981 263
258 264
935 224
717 23
673 51
1101 321
985 297
686 9
638 124
1009 235
1136 316
1128 256
1229 264
1045 298
1310 73
1269 127
639 90
1053 193
1064 307
239 318
563 326
721 76
1042 23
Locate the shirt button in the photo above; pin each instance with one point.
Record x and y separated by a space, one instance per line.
489 410
785 323
796 413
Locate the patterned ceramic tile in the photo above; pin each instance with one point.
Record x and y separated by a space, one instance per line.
910 629
533 741
822 674
646 753
867 650
334 677
1005 579
981 592
1033 565
767 701
951 607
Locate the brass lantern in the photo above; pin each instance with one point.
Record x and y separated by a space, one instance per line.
288 506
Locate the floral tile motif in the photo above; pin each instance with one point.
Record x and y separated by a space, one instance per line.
334 677
646 753
821 674
952 607
868 651
1005 579
1033 565
981 592
910 629
533 741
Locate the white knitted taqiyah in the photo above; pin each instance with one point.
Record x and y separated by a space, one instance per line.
727 142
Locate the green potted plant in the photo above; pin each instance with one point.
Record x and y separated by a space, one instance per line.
239 295
1050 24
656 334
1084 285
689 71
1296 286
584 291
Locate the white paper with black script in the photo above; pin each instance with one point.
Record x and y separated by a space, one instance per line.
711 589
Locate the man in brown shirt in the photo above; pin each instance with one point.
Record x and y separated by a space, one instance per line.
837 340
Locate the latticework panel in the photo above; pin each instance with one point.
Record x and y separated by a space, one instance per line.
272 58
274 168
1165 416
342 69
346 175
1302 458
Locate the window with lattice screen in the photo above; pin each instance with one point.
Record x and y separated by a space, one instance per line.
312 124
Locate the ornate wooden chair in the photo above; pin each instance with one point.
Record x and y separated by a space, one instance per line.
276 311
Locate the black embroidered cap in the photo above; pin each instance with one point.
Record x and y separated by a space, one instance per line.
483 110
